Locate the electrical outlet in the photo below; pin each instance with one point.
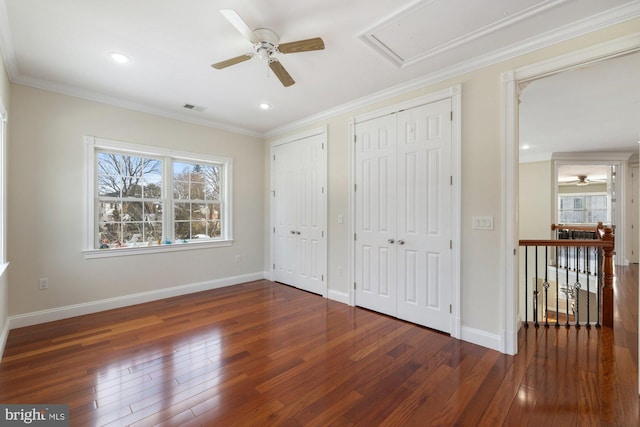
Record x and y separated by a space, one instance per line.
339 271
44 283
238 258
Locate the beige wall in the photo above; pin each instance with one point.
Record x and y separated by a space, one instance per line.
5 98
47 199
482 287
535 214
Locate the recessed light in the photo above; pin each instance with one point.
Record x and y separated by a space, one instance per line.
119 57
265 106
525 146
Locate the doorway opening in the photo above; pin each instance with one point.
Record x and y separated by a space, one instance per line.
519 150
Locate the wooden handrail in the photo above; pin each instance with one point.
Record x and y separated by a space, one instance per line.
577 227
606 241
568 242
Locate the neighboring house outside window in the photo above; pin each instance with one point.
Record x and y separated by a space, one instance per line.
147 199
582 208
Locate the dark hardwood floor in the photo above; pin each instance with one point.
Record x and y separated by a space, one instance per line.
263 354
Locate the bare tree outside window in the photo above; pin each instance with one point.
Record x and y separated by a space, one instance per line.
129 200
197 204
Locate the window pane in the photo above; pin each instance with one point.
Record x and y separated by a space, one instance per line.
153 231
109 233
132 233
152 188
120 175
182 211
213 229
198 212
182 230
152 211
196 191
131 211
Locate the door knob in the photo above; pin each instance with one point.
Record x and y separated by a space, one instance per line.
391 241
297 232
293 232
401 242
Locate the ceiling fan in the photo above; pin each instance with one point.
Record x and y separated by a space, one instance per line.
582 180
265 44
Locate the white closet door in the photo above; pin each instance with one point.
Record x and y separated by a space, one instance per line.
375 260
285 214
424 215
311 213
299 170
403 209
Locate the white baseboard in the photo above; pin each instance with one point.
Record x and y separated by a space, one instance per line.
485 339
58 313
342 297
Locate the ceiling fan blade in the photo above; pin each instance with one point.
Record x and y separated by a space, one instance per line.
229 62
302 45
235 20
281 73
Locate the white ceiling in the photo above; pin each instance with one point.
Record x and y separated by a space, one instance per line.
594 108
372 47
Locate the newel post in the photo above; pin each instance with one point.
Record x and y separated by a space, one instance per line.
607 285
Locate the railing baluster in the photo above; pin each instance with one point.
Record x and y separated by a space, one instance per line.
535 295
546 287
526 292
576 287
557 291
599 283
586 262
567 290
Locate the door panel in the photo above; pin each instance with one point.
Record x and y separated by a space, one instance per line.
424 217
375 215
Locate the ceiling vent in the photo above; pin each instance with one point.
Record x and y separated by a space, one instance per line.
197 108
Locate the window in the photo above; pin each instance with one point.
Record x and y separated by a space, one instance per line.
144 199
3 188
582 208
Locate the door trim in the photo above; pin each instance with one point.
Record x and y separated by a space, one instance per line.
322 130
455 94
510 80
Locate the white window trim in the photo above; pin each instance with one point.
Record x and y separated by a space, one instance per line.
92 144
3 189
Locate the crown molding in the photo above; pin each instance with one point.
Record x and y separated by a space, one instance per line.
611 17
129 105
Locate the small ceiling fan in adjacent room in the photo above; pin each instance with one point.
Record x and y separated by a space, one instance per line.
581 180
266 43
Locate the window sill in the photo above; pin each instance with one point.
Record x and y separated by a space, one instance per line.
143 250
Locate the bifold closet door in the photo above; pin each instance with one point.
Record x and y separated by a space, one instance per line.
299 199
375 224
403 222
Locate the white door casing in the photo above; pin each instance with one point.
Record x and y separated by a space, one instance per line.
299 212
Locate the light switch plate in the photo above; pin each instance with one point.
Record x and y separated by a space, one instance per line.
482 223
